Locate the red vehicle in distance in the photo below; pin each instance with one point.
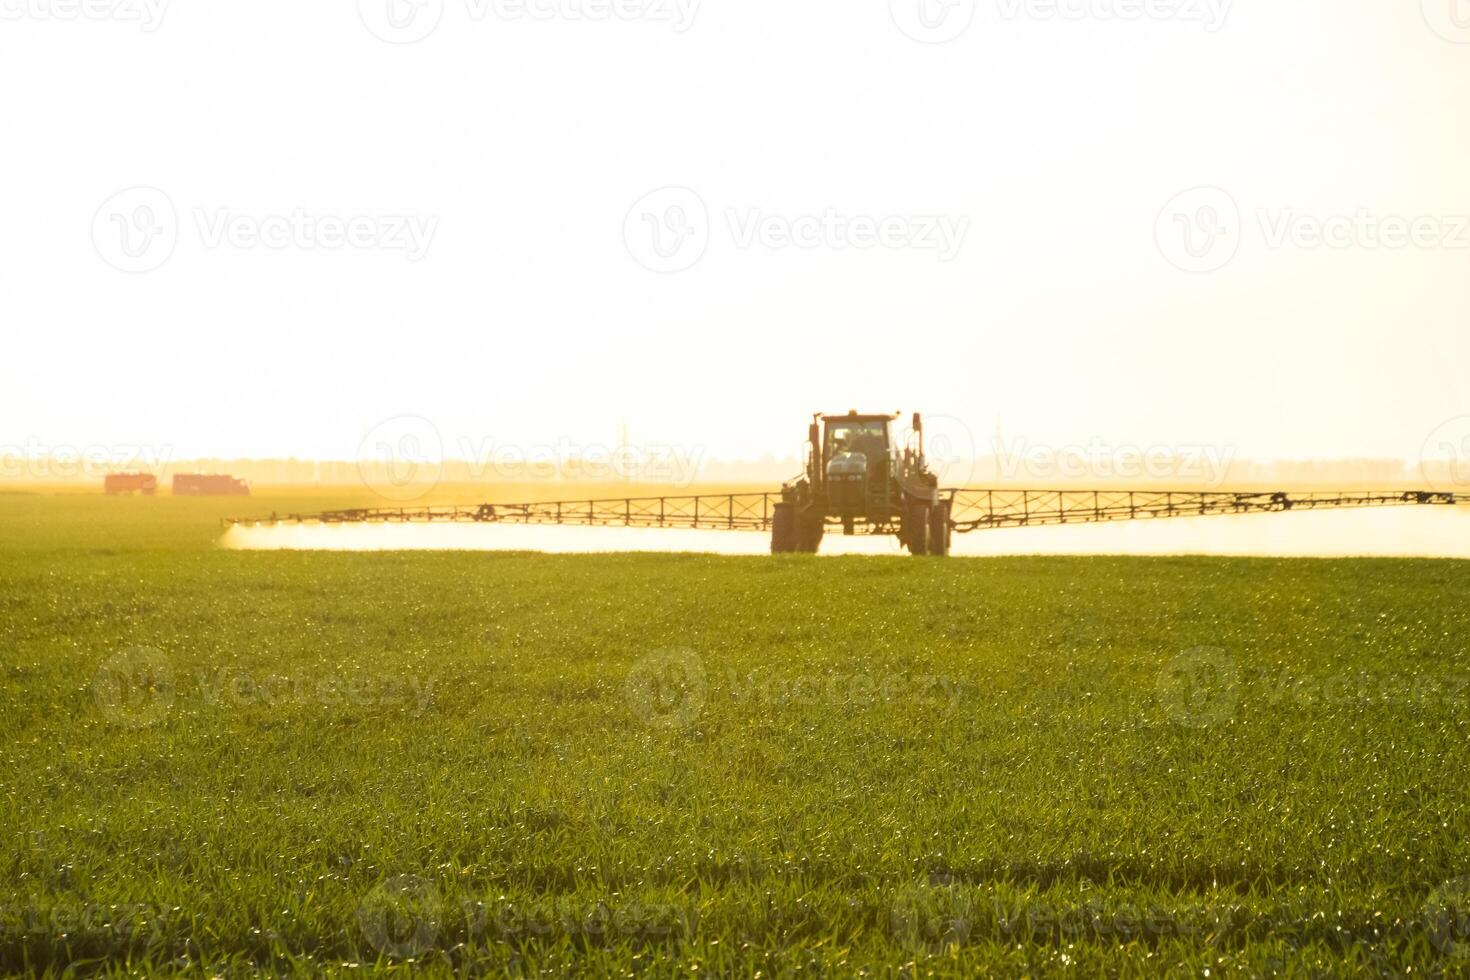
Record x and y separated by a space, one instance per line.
130 483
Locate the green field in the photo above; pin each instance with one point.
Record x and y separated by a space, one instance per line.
227 762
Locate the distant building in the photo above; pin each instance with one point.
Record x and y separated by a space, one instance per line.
199 485
118 483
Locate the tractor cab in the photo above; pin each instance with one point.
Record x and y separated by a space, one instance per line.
855 460
857 444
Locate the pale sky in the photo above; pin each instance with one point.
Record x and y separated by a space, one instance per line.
516 283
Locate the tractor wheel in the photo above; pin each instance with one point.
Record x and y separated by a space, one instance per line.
916 529
785 535
939 530
812 530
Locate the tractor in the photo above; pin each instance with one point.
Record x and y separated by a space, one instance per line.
858 477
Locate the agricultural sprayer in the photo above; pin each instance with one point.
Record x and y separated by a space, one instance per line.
859 480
